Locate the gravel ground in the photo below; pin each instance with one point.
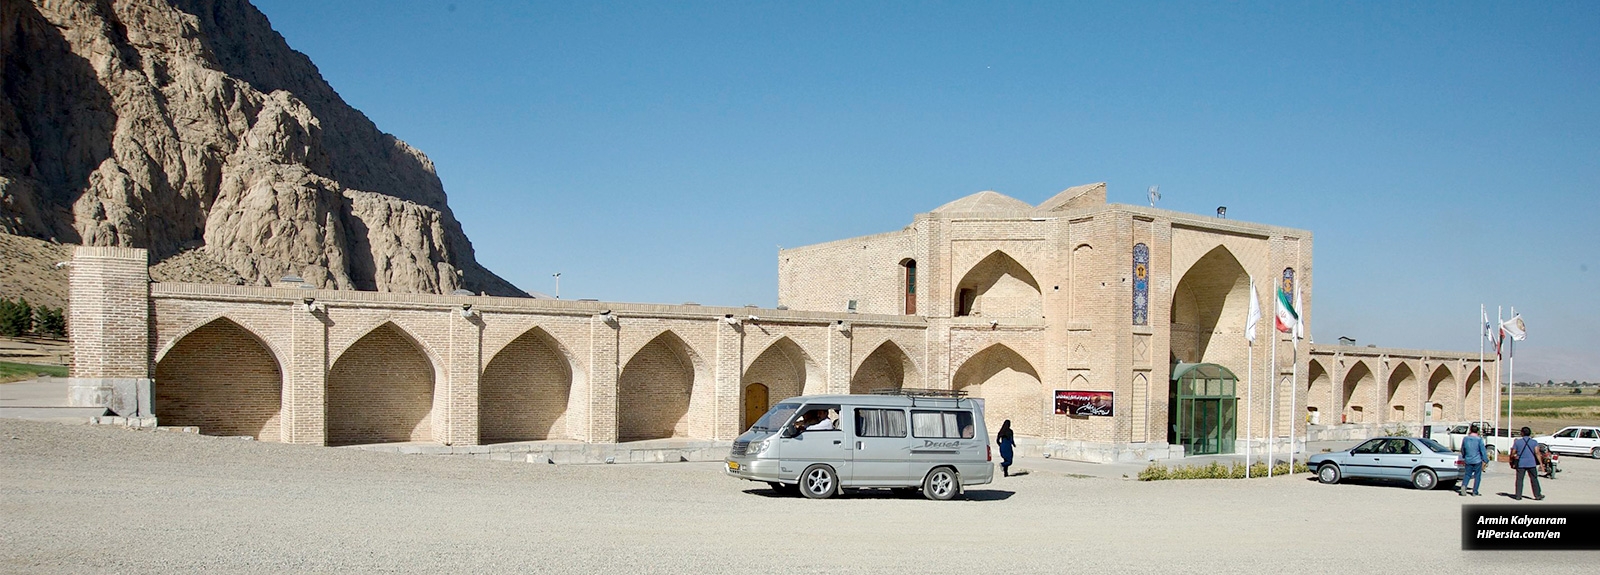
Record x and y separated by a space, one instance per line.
83 498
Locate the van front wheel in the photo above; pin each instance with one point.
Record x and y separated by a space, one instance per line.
941 484
819 482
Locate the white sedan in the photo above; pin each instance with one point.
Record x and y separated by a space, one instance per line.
1581 440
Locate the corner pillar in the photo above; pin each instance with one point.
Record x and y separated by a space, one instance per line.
109 324
604 374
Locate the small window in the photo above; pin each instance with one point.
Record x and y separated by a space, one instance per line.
942 424
1591 434
1567 433
1371 446
880 423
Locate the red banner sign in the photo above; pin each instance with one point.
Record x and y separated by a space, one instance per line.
1083 402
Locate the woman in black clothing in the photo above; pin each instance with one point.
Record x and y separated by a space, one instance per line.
1006 442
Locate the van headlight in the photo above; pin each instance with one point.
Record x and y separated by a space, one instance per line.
756 447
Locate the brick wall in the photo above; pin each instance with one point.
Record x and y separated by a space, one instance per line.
109 319
221 379
381 389
782 369
524 392
825 277
886 367
654 390
1010 388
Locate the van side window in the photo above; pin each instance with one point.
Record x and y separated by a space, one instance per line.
880 423
942 424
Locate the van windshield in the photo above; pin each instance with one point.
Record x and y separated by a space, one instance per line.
776 417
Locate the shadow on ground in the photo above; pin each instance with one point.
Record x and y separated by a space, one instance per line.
970 494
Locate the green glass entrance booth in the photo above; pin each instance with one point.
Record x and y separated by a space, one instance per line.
1203 408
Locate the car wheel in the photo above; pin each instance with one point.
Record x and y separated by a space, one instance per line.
1424 479
1328 473
940 484
1492 453
1595 453
819 482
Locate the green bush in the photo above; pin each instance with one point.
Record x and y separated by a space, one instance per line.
1215 470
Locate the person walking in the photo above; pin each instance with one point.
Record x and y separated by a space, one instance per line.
1525 460
1474 454
1007 442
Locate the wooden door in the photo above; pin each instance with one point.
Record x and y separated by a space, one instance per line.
755 403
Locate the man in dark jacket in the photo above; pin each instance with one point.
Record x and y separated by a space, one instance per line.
1525 459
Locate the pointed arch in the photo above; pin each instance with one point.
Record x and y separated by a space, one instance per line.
1402 395
277 354
1009 386
526 389
222 378
783 370
381 389
1472 392
1441 389
1358 391
998 286
656 388
886 367
1319 389
1210 303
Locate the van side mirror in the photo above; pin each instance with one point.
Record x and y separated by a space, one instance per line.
789 432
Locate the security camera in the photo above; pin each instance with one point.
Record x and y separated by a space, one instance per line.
308 300
754 318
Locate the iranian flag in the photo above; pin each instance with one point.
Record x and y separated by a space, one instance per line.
1288 317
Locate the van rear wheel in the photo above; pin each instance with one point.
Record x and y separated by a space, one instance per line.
941 484
819 482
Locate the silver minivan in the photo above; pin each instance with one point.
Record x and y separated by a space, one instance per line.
820 444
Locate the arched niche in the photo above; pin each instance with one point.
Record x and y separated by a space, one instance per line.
1208 311
381 389
655 389
1009 386
998 286
783 370
887 367
525 391
222 378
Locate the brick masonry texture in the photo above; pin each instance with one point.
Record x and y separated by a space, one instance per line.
221 379
1010 306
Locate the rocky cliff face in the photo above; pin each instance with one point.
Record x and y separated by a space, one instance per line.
191 126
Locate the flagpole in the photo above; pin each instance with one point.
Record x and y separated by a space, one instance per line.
1483 314
1294 394
1252 320
1511 386
1499 318
1249 404
1272 396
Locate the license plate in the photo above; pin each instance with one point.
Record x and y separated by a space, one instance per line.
733 466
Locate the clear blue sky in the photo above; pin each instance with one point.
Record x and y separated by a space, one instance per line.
1444 154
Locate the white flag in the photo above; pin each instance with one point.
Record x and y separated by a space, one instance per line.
1255 314
1514 328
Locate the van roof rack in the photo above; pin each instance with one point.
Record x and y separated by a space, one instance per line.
916 392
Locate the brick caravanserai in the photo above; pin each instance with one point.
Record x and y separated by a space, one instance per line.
1013 303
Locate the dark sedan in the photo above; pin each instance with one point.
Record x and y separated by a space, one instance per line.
1423 462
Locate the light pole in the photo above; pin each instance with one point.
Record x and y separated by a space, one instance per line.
557 275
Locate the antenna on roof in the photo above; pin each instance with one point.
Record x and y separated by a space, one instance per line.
1155 195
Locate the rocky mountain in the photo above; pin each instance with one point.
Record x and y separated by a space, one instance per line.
191 127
